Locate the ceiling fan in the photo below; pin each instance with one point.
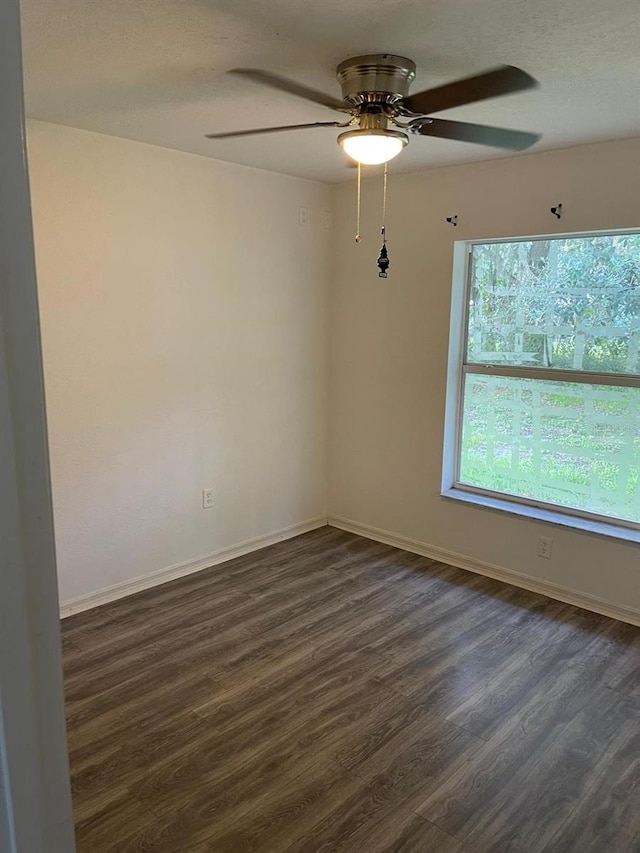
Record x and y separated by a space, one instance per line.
375 93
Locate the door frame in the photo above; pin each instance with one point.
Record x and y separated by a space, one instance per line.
35 800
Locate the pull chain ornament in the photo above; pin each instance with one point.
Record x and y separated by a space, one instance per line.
383 258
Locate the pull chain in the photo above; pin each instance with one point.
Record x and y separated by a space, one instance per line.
358 237
384 202
383 259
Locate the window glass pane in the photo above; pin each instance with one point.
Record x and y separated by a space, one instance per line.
571 303
564 443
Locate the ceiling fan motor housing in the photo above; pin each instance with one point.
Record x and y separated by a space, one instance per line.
377 78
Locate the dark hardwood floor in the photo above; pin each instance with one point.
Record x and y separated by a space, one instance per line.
333 694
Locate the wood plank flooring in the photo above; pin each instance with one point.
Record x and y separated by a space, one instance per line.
330 693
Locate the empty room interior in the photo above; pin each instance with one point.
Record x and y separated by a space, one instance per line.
343 420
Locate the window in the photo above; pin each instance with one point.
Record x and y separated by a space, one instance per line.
543 403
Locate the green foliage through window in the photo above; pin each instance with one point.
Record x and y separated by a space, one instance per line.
571 303
538 306
569 444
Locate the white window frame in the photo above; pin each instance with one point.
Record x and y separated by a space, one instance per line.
458 368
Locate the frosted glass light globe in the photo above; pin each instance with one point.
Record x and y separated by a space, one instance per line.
372 147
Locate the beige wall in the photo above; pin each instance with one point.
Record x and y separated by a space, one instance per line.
184 330
185 316
389 352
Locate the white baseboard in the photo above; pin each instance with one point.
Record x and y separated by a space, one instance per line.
552 590
179 570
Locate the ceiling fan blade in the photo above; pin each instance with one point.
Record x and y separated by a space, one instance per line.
498 81
258 130
291 87
482 134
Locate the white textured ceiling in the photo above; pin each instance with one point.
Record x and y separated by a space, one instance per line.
154 70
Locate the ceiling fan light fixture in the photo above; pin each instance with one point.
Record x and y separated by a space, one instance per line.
372 146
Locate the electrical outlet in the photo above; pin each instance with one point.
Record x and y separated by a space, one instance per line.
545 546
303 216
207 498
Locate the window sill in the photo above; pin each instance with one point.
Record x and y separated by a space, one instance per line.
601 528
